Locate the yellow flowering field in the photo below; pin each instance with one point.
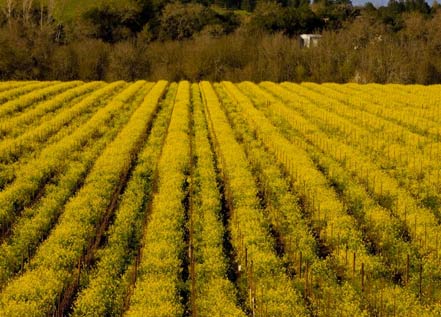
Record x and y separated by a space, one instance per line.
219 199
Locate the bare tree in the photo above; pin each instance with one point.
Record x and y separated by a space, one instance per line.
47 9
9 9
50 10
42 9
27 10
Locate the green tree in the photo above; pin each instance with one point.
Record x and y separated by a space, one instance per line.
180 21
268 16
115 21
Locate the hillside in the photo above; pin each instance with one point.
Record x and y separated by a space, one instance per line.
66 10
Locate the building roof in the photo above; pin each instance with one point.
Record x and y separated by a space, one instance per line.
305 36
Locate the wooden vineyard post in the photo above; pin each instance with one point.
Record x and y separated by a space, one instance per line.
250 293
420 282
318 215
407 269
346 255
300 264
362 277
405 215
135 273
425 235
29 254
192 271
243 247
374 185
246 257
353 265
338 244
332 232
79 271
306 280
251 289
415 225
261 303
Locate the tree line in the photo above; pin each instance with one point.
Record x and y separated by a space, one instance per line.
221 40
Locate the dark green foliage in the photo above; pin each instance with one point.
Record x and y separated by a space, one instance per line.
293 20
112 23
180 21
301 20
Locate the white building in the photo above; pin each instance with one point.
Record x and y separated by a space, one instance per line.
309 40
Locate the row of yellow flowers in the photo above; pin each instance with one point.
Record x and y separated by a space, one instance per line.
37 220
417 101
18 124
266 284
11 149
29 178
16 91
30 99
109 285
393 193
52 269
323 201
13 84
314 276
406 155
159 280
214 294
375 216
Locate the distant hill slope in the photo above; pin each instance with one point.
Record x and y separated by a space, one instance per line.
68 9
377 3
